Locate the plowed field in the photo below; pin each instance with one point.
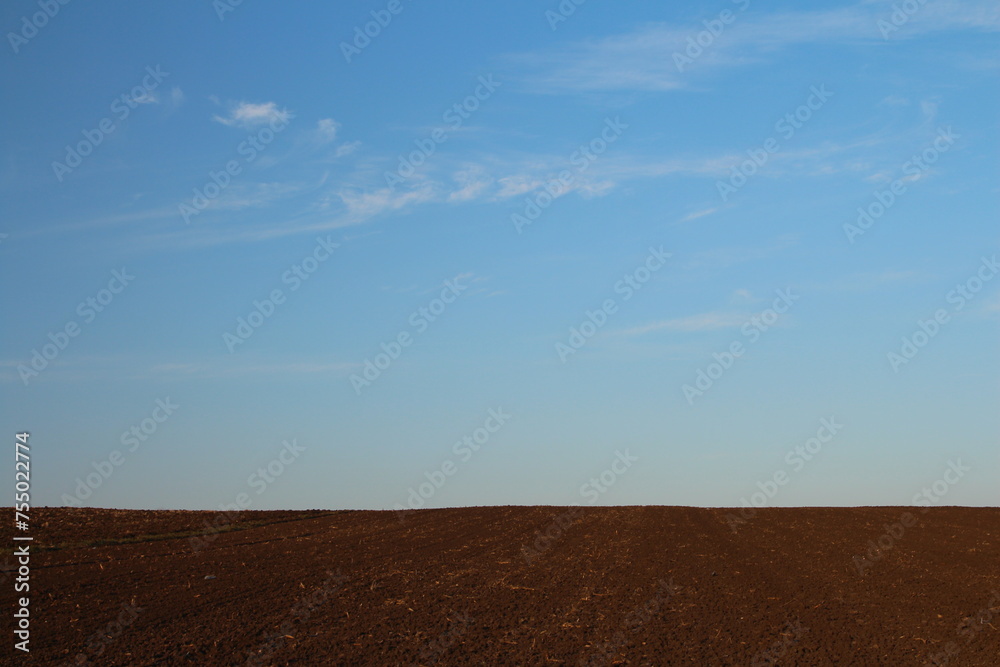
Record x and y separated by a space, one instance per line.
513 586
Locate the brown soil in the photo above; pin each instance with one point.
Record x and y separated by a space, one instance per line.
626 585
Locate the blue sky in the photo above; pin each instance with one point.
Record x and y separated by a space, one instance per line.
570 219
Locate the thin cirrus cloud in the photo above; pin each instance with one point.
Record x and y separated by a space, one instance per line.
472 182
254 195
699 214
249 115
643 59
218 370
365 201
460 180
710 321
499 180
361 206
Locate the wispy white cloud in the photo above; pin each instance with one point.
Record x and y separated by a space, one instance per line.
214 369
472 182
643 59
362 206
512 186
871 280
326 129
742 295
468 278
358 197
248 115
710 321
699 214
346 149
253 195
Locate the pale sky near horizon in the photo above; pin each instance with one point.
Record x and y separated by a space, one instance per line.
672 243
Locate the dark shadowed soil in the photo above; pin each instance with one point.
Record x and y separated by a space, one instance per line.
512 586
